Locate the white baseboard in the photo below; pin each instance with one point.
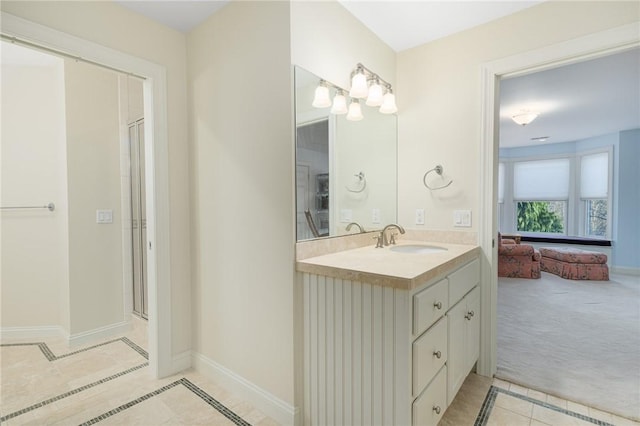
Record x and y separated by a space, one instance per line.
41 332
99 333
624 270
181 362
269 404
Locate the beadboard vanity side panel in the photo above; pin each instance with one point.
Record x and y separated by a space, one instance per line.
357 339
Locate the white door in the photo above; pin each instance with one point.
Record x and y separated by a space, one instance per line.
138 218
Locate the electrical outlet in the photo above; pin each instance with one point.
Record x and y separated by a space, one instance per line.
462 218
104 216
346 215
419 216
375 216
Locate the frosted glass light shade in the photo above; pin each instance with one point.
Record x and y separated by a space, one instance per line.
321 98
375 95
355 112
359 87
389 104
339 103
525 117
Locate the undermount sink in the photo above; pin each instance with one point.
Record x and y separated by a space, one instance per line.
417 249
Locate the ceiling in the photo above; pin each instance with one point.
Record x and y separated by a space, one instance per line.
183 15
400 24
575 102
406 24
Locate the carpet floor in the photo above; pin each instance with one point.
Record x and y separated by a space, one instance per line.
578 340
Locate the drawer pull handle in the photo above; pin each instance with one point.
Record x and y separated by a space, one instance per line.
438 305
437 354
436 409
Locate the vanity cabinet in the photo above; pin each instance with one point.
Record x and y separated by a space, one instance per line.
464 341
380 354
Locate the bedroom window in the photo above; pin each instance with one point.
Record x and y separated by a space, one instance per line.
541 193
594 194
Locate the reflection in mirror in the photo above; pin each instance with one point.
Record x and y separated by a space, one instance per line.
345 170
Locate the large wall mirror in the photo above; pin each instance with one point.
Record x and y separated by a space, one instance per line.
346 171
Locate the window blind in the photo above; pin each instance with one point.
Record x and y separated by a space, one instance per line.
541 180
594 175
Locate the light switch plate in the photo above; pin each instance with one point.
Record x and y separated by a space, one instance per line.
419 216
346 215
104 216
375 216
462 218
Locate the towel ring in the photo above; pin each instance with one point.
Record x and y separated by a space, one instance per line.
438 169
361 180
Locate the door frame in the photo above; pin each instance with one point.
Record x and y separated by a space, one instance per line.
592 46
156 171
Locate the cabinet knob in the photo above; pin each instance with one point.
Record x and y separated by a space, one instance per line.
438 305
471 313
437 354
436 409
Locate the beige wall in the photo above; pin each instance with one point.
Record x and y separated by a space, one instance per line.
113 26
328 41
93 173
439 99
242 193
34 254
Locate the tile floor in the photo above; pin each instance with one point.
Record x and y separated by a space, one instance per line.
109 383
493 402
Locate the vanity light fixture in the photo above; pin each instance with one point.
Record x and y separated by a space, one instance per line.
355 111
374 99
339 103
525 117
359 88
388 103
321 98
364 84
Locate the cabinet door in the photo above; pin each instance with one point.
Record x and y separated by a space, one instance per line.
456 360
463 280
429 407
473 328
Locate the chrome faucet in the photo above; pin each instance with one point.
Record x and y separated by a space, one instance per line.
349 226
392 240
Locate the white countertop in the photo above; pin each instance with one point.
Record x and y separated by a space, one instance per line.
381 266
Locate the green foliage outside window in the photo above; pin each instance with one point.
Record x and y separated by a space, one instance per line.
540 216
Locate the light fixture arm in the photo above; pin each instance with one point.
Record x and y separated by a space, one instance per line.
370 75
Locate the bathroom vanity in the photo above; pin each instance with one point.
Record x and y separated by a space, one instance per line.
389 336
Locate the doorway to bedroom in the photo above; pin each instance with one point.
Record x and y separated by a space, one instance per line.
566 179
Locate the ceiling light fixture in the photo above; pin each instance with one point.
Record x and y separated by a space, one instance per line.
525 117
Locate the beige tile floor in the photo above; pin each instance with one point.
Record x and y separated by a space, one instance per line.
28 378
516 405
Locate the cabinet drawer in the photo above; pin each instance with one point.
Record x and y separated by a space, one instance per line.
429 355
429 407
463 280
429 305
